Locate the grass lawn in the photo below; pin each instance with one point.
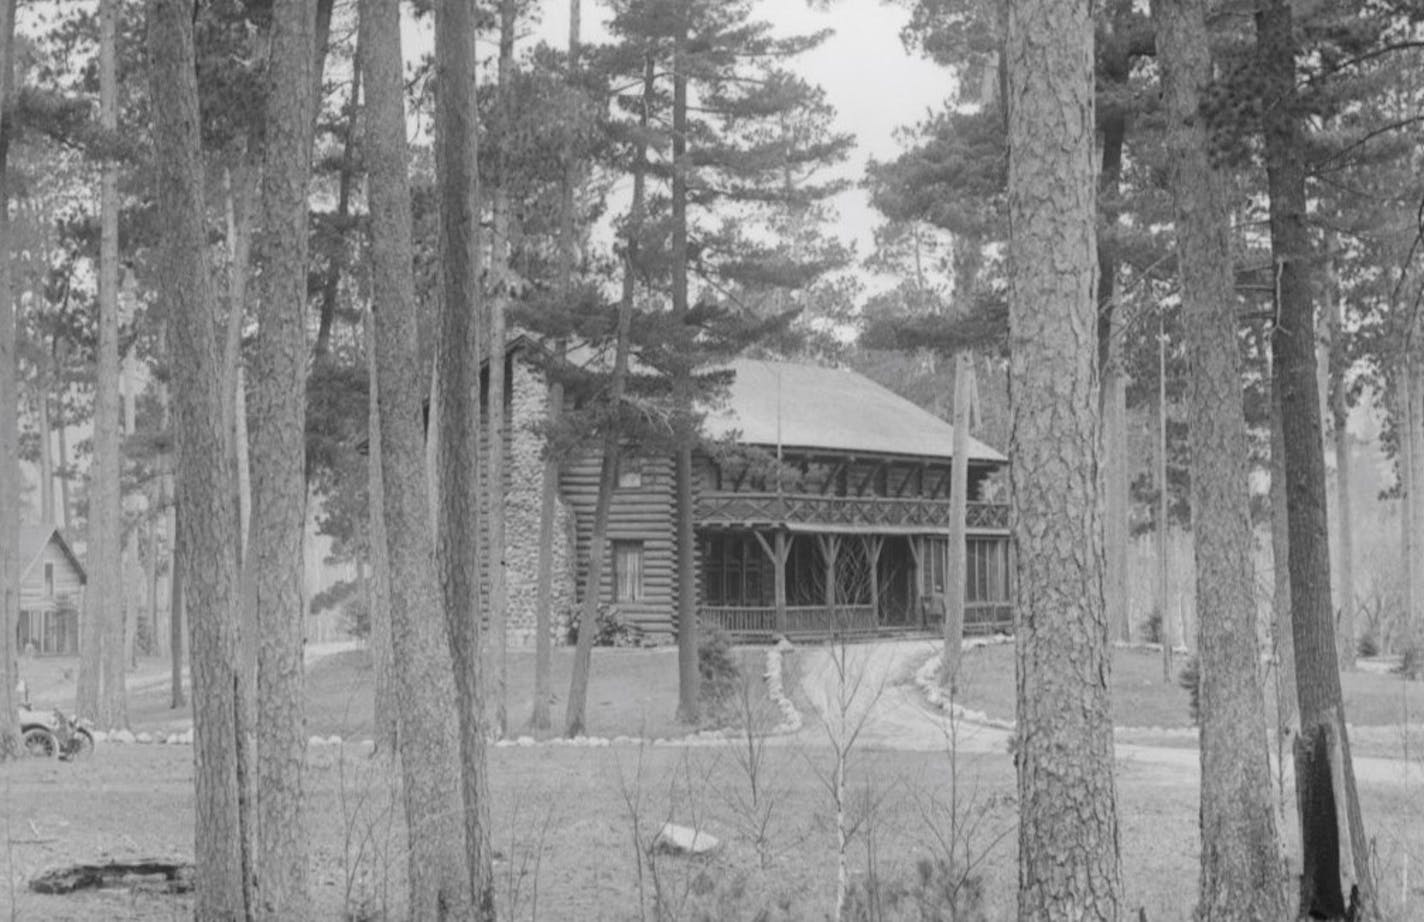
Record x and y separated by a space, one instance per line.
632 692
1142 699
563 822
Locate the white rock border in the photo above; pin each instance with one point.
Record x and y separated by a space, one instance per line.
927 680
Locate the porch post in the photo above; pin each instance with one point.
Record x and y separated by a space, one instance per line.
779 551
873 546
830 549
917 585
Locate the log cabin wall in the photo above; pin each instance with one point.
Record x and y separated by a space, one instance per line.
641 530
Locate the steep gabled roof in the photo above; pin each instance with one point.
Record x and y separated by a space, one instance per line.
814 407
32 541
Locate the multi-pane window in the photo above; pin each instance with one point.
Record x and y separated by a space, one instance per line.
49 580
630 473
987 572
735 571
627 571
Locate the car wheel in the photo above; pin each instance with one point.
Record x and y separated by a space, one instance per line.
40 742
81 745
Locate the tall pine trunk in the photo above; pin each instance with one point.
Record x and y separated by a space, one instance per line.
1338 362
501 252
204 466
1240 870
1068 831
275 553
101 695
689 680
608 467
539 719
1333 838
385 716
424 679
9 415
458 402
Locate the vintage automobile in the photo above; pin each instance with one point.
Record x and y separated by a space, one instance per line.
54 734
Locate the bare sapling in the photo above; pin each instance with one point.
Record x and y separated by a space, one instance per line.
845 702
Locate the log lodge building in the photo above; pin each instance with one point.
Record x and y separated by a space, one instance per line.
848 533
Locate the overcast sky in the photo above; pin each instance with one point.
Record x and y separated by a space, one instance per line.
873 83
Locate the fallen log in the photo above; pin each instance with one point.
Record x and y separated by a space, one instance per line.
165 875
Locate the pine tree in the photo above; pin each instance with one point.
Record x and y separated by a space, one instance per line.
9 455
1240 867
424 678
275 556
204 468
458 439
1068 831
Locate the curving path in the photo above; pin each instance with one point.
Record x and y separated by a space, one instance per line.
880 696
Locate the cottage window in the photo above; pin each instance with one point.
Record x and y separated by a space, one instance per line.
627 571
630 473
49 580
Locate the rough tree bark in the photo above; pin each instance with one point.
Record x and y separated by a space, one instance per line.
381 656
1069 865
1337 401
204 463
1333 838
1241 877
9 421
539 719
424 679
100 691
275 553
458 401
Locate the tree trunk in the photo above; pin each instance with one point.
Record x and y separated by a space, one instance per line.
608 468
597 558
275 555
501 252
101 695
1332 831
1068 832
62 467
204 466
1163 491
424 679
1117 502
958 511
1414 495
42 398
549 491
176 653
458 401
1281 633
1241 875
336 258
380 614
689 679
9 422
1339 421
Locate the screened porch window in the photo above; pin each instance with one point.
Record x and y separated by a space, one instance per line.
627 571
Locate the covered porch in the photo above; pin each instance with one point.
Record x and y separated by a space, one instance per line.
816 581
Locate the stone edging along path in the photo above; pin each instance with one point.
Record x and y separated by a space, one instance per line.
791 722
926 680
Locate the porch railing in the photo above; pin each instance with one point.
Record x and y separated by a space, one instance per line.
979 618
750 621
774 508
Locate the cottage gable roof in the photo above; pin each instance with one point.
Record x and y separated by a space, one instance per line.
812 407
32 542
